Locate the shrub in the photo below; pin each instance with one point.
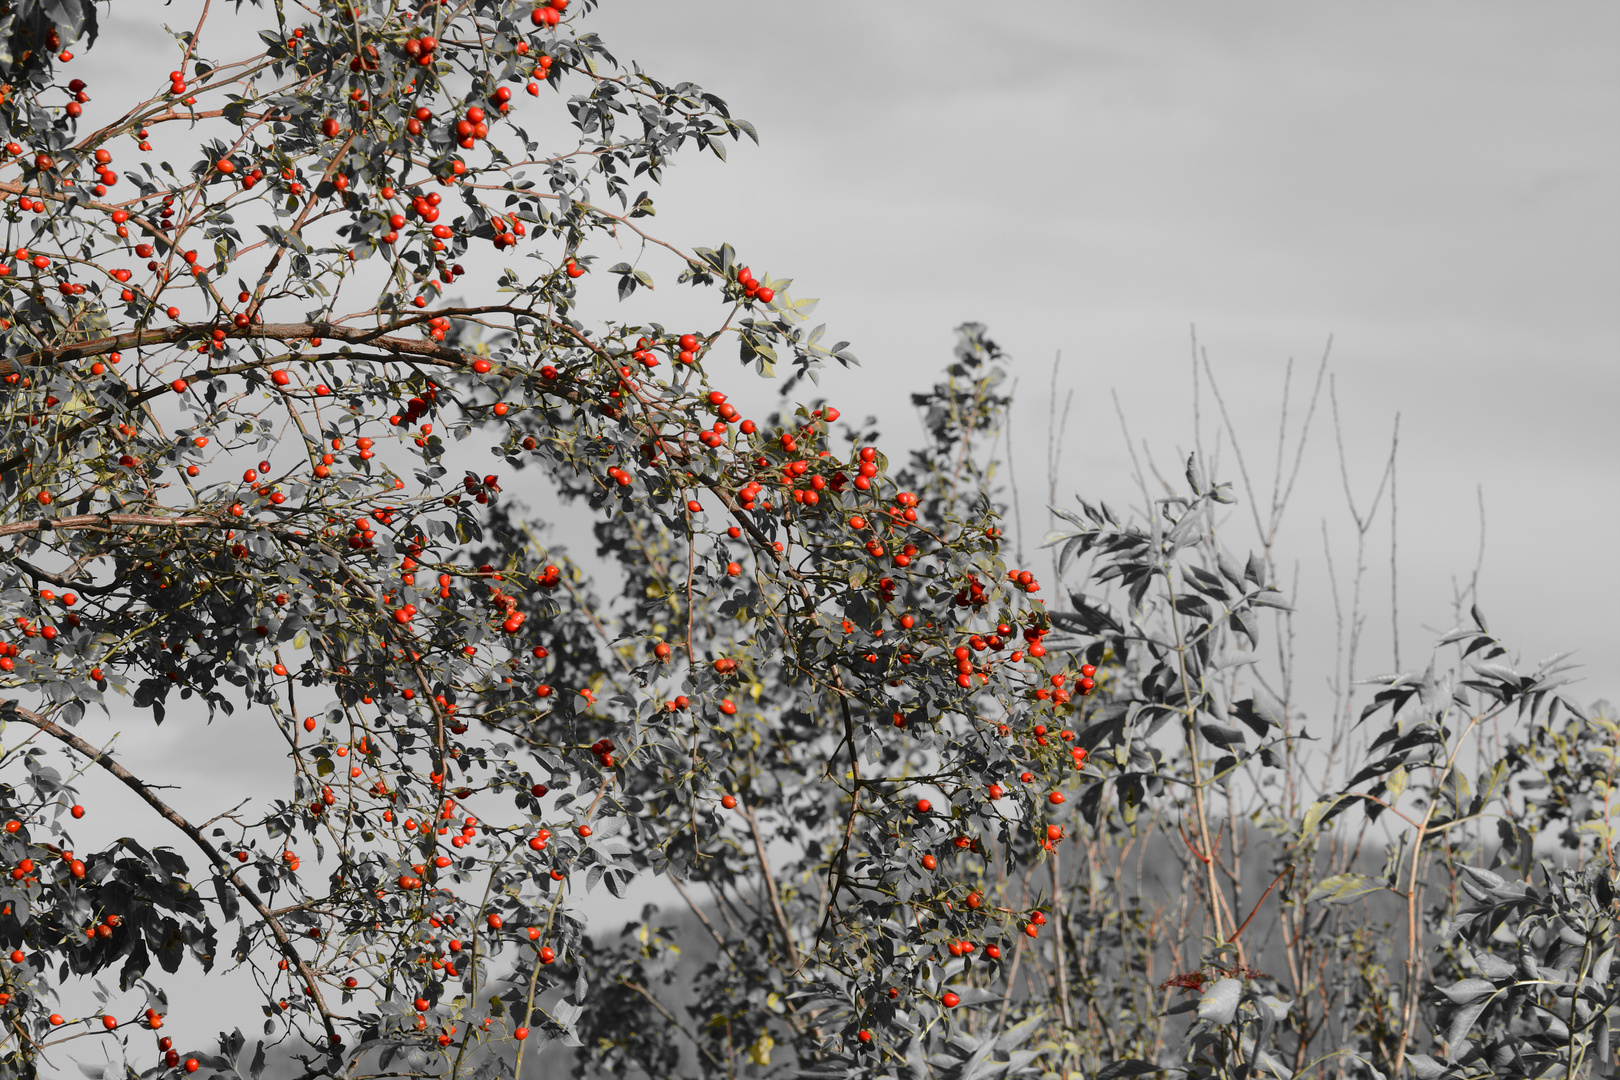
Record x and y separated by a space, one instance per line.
890 770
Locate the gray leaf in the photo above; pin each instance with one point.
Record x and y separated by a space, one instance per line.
1462 1021
1227 738
1219 1003
1425 1066
1195 475
1468 990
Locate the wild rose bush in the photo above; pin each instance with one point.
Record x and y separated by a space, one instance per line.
896 776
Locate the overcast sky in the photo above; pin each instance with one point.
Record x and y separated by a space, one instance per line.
1435 185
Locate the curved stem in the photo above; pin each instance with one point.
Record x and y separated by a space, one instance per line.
131 781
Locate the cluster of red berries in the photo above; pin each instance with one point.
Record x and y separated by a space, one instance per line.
426 206
1059 694
689 345
603 749
363 535
76 106
972 594
474 125
753 289
643 354
421 49
1033 634
507 229
416 406
550 14
328 798
171 1056
482 491
885 590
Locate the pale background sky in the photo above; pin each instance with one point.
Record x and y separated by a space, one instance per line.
1435 185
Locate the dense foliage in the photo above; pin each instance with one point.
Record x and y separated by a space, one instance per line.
900 780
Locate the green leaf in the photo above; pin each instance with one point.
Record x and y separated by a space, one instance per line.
1343 888
1395 782
1314 816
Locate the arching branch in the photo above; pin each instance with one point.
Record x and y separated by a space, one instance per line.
11 710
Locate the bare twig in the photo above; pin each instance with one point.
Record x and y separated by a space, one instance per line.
1012 474
1394 591
770 887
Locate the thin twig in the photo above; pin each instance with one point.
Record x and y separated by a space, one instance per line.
1012 473
770 888
1394 591
655 1003
221 867
1237 448
1130 448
